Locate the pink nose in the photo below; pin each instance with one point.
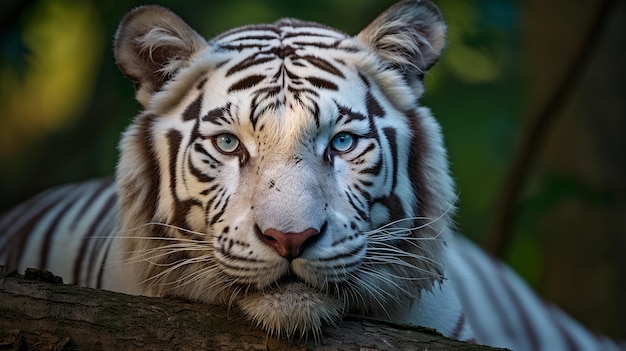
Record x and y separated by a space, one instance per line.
289 245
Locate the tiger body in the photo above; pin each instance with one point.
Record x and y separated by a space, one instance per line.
289 170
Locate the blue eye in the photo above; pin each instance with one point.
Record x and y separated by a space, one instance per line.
226 143
343 142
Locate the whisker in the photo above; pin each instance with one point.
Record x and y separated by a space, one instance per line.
166 225
384 228
395 260
171 268
196 276
373 293
162 238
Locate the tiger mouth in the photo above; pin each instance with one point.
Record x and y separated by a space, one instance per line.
290 282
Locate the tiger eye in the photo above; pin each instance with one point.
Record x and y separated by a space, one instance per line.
226 143
343 142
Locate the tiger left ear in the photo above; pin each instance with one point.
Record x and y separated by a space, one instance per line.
410 35
151 45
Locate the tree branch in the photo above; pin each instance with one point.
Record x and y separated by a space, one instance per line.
40 315
533 137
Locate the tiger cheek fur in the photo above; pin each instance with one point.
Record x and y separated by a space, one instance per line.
284 166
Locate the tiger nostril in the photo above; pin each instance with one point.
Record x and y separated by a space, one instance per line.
288 245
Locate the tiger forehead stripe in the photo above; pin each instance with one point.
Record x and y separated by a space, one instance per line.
268 60
269 49
242 32
246 83
256 35
323 64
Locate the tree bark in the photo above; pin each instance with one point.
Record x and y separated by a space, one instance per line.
40 313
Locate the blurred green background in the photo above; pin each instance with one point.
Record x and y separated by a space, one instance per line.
63 105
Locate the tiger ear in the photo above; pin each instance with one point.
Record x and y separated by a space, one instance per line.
410 35
151 45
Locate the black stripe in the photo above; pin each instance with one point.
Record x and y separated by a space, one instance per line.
201 84
150 181
90 236
197 173
249 62
106 233
105 183
248 28
298 91
257 110
349 254
233 257
322 83
315 111
221 212
102 266
375 169
362 215
565 334
193 110
367 150
390 134
270 92
362 191
17 237
396 209
26 232
487 286
469 309
246 83
239 47
311 34
199 148
256 37
530 333
52 228
181 208
356 199
348 112
320 45
419 149
366 183
209 204
364 80
215 114
323 65
373 106
174 139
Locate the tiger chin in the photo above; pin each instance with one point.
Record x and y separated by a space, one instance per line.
285 168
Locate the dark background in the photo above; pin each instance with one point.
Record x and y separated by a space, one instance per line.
63 105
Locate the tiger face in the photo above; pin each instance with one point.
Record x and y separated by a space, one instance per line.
285 168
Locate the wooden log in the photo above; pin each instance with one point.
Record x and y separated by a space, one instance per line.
39 313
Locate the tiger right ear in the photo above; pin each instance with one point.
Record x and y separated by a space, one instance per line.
151 45
410 36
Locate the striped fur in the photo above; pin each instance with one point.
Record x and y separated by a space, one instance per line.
76 221
289 170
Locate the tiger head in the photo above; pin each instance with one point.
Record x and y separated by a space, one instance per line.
287 168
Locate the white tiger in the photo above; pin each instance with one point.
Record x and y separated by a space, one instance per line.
289 170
